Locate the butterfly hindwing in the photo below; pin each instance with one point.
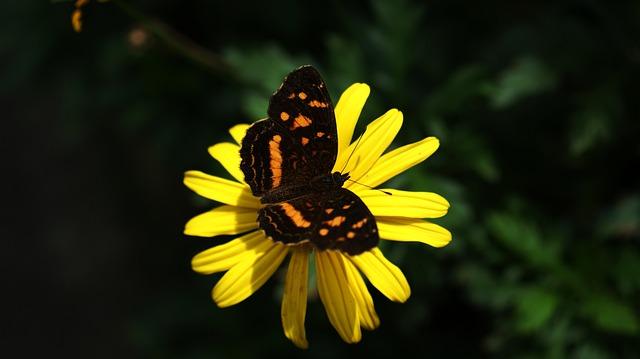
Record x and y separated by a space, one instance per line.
333 220
345 224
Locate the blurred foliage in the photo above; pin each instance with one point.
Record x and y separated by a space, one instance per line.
535 104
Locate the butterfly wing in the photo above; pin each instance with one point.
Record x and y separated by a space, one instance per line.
336 220
271 161
299 139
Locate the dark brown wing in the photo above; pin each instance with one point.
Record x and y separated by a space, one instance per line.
301 114
337 220
271 161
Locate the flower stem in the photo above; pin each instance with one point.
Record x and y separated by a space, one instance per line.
177 41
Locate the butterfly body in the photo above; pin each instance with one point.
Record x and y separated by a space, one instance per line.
287 160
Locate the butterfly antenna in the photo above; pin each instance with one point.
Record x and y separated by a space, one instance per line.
377 189
351 154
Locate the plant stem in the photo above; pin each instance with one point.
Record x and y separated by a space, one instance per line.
178 41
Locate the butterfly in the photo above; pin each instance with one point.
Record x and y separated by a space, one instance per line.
287 160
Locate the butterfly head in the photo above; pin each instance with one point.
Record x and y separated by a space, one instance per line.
339 178
329 181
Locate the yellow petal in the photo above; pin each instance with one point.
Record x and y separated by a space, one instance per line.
377 137
404 203
222 220
383 274
398 161
412 230
246 277
347 112
366 311
228 154
294 299
238 132
222 257
339 303
220 189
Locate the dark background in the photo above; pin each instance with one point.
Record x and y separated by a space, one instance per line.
535 103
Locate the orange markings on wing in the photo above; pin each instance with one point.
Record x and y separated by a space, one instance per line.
316 103
360 223
292 95
302 95
323 232
301 121
284 116
336 221
304 141
346 206
350 235
295 215
319 134
275 162
328 210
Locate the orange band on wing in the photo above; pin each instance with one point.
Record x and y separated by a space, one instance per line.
295 215
359 224
275 163
336 221
316 103
301 121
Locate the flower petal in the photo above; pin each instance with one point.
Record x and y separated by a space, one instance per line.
377 137
366 311
333 287
404 203
220 189
398 161
347 112
383 274
228 154
413 230
222 220
238 131
222 257
294 299
246 277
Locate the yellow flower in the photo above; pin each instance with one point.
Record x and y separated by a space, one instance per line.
252 258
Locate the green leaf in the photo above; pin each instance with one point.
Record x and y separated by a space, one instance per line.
255 105
534 308
590 351
345 64
460 88
263 66
591 126
593 123
522 237
611 315
626 271
527 77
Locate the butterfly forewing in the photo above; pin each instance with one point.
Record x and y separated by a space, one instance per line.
299 139
303 106
271 160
